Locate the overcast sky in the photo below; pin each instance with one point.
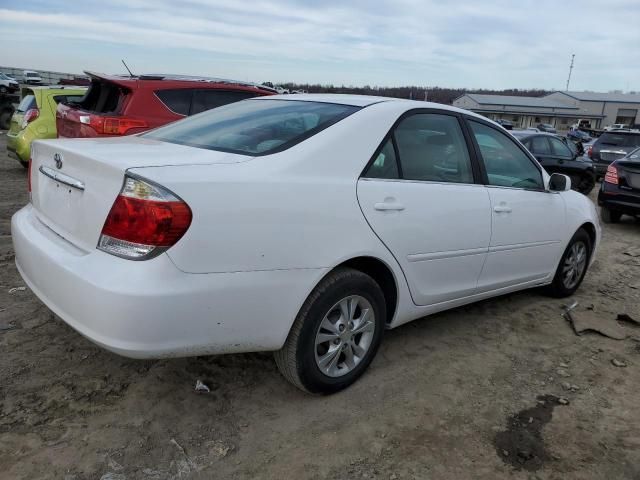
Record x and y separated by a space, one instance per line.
466 43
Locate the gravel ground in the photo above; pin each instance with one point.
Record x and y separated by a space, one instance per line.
499 389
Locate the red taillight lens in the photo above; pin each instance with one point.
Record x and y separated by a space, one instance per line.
144 221
113 125
29 116
612 175
590 151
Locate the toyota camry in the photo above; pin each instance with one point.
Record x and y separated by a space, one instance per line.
304 226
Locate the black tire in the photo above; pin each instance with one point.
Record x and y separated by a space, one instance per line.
609 216
558 288
3 89
584 183
297 358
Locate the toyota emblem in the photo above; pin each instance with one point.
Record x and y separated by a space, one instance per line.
58 159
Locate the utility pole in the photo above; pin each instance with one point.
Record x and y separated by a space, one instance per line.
570 69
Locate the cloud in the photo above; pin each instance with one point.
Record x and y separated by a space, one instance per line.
495 43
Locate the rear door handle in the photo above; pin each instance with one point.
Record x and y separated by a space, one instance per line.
502 209
388 206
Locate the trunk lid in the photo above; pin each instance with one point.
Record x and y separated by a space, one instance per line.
74 194
629 174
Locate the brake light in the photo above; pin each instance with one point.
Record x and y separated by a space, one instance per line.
612 175
590 151
144 221
29 116
112 125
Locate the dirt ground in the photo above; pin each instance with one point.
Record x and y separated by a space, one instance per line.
479 392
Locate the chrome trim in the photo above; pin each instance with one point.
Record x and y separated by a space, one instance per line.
61 178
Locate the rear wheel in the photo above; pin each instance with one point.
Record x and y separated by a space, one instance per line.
5 119
336 334
584 183
609 216
573 266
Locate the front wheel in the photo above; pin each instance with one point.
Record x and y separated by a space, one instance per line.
336 333
573 266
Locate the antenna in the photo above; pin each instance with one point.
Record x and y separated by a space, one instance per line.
570 69
125 66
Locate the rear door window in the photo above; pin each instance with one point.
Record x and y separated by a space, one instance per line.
207 99
385 165
540 146
176 100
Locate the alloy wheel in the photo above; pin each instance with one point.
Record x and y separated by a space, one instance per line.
344 336
574 265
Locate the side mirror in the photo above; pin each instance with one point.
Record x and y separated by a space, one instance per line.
559 183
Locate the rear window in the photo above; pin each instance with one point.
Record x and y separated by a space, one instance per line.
102 97
254 127
620 139
27 103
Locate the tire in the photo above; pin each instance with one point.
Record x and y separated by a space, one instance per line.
584 183
561 287
609 216
3 89
300 358
5 119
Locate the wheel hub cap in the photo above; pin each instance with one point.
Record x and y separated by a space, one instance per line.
344 336
574 265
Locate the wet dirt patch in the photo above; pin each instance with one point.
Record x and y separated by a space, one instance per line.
521 445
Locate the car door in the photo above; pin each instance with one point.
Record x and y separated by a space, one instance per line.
527 221
420 196
564 160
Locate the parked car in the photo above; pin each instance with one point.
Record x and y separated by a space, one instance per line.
620 190
118 105
8 84
615 126
269 224
578 135
545 127
31 77
35 119
506 124
555 155
8 104
612 146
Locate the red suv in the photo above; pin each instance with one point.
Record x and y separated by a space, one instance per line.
119 105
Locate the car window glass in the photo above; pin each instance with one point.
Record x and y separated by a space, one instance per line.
559 148
207 99
540 146
178 100
27 103
432 148
385 165
254 127
506 164
619 139
66 98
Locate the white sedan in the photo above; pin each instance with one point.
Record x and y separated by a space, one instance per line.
305 226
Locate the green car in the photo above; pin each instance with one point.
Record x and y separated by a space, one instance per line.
35 118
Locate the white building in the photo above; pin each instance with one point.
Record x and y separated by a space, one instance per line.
560 109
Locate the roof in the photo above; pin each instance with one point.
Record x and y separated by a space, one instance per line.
516 101
604 97
342 99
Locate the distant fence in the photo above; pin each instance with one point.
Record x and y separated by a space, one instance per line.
48 77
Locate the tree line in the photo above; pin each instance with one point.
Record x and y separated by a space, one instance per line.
431 94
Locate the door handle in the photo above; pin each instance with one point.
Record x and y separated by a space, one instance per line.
502 209
388 206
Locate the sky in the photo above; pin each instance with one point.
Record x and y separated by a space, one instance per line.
494 44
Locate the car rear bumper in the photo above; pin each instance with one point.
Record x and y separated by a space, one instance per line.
19 146
150 309
624 201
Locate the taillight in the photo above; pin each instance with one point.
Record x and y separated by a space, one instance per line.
29 116
590 151
144 221
112 125
612 175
